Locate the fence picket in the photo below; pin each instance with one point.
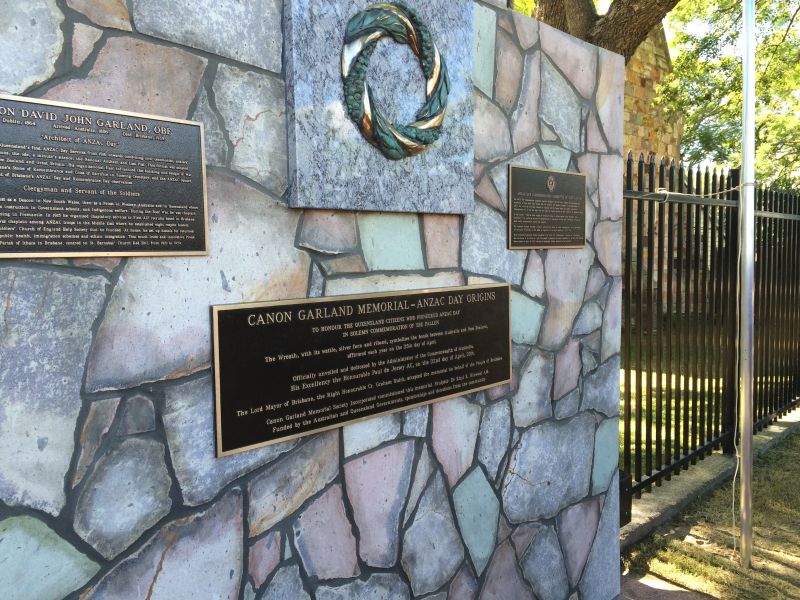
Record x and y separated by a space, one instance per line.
680 318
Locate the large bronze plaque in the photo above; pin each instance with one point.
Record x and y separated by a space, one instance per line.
286 369
78 181
546 209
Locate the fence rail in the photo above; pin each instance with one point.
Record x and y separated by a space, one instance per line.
680 314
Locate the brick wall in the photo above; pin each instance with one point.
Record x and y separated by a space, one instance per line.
647 128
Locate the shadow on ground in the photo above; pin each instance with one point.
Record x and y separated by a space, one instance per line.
696 551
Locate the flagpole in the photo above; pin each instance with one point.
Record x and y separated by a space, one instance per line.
747 249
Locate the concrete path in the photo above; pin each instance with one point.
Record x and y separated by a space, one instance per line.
650 587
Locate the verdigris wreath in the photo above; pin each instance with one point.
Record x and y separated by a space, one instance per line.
361 37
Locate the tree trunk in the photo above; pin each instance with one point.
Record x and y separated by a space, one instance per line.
552 13
626 24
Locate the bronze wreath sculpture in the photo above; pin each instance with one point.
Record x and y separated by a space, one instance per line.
361 38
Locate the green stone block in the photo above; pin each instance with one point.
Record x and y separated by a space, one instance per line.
526 319
36 563
477 510
483 43
391 242
606 455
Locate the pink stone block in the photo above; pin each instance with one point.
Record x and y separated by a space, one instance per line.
503 578
577 526
324 538
588 164
329 231
525 121
608 243
442 240
344 264
492 135
594 137
487 192
612 322
576 59
98 421
134 75
527 30
264 556
106 13
568 369
455 431
503 529
83 40
610 187
610 99
107 264
464 586
377 484
522 537
508 71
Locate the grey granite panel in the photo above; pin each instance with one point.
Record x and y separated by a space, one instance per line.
330 164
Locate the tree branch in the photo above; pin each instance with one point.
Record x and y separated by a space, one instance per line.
627 23
552 12
581 16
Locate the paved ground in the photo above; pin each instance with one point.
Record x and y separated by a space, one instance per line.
653 588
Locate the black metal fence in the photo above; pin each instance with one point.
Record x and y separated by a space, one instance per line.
680 314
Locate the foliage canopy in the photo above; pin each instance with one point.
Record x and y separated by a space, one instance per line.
706 84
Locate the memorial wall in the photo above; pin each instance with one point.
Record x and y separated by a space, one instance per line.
130 465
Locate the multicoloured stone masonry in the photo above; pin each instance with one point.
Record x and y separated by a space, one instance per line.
109 488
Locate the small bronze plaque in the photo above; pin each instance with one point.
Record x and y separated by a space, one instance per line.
287 369
79 181
546 209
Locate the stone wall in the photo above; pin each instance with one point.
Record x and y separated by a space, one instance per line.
647 127
108 483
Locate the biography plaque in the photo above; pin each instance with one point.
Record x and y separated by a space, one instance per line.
78 181
287 369
546 209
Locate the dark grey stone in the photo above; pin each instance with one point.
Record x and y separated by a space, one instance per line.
125 494
543 566
494 435
601 577
196 556
601 389
189 426
286 584
381 586
45 334
432 548
138 416
249 32
546 473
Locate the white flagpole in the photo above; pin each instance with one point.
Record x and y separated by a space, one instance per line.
747 244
